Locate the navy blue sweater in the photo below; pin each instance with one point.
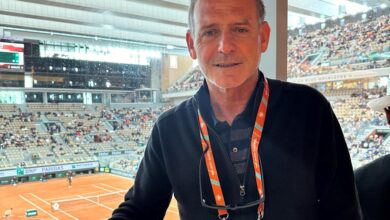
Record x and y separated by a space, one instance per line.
306 164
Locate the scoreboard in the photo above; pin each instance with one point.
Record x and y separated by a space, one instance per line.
11 56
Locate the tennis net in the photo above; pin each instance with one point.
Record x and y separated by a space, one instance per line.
81 202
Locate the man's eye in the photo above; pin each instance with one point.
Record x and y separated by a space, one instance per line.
241 30
209 33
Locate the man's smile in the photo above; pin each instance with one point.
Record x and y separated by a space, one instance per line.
226 65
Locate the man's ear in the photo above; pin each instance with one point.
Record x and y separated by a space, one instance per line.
190 45
265 31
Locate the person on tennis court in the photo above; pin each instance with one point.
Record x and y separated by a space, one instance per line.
69 176
244 147
7 213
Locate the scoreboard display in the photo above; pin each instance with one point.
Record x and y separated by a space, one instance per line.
11 56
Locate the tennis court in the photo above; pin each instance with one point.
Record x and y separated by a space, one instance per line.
90 197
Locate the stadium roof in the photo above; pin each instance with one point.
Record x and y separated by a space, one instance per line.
159 22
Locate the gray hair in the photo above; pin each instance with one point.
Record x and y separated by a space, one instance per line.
259 5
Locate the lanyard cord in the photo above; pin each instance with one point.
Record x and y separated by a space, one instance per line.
255 141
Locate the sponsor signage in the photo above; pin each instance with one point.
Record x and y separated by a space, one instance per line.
48 169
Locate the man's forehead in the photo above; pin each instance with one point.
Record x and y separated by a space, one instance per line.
219 11
222 6
206 23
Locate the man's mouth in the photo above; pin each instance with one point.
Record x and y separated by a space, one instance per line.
226 65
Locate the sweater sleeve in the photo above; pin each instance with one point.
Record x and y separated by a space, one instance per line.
151 193
336 190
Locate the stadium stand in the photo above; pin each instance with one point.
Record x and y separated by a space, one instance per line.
357 45
360 124
61 133
354 46
192 82
51 134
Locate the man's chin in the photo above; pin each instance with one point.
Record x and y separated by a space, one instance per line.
224 85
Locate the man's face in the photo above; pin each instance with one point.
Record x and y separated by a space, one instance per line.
228 40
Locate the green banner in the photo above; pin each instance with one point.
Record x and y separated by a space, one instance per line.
19 171
31 212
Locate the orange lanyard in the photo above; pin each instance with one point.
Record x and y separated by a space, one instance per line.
255 141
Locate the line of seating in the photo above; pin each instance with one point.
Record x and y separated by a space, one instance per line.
56 133
51 135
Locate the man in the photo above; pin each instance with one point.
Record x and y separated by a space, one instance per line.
373 184
373 179
243 147
381 104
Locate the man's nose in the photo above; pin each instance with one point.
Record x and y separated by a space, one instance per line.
226 43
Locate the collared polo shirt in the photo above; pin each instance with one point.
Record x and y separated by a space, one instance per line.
236 137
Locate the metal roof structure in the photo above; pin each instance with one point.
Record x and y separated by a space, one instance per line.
160 23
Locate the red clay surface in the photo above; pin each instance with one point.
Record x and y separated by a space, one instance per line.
39 195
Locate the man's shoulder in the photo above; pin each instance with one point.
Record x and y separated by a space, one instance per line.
377 168
293 87
293 90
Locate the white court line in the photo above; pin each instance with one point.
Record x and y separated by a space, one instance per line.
120 192
126 178
37 197
173 211
108 190
99 204
112 187
72 196
170 206
36 206
62 211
